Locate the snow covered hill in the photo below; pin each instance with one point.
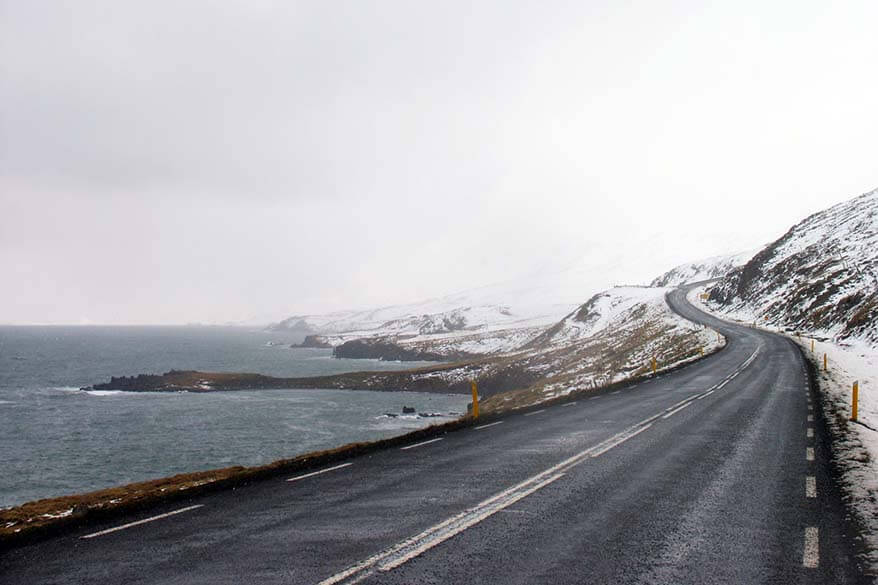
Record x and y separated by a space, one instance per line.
480 318
820 278
715 267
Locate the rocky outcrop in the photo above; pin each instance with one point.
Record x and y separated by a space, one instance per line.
313 342
383 349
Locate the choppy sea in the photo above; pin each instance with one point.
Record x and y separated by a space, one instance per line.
57 440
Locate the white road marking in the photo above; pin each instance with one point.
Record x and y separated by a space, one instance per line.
619 441
453 530
313 473
810 407
144 521
616 392
534 412
416 545
809 433
569 403
480 427
594 397
811 556
706 394
810 418
421 444
676 410
810 487
809 453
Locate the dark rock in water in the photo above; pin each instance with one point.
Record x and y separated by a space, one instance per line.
429 414
408 409
313 342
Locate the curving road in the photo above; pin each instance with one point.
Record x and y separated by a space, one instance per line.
715 473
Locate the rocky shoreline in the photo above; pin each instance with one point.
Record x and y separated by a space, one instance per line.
451 378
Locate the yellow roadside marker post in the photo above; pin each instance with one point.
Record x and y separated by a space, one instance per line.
812 345
475 399
825 364
654 366
854 401
701 351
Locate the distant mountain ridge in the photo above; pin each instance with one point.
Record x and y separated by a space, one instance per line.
706 269
820 277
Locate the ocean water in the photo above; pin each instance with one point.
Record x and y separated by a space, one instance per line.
57 440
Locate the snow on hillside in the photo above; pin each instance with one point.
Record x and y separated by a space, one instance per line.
612 337
706 269
820 278
524 303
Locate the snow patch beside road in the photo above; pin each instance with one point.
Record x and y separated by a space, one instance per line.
855 445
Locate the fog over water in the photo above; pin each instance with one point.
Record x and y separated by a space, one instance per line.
175 162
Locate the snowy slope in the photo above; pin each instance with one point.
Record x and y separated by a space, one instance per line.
715 267
821 277
535 300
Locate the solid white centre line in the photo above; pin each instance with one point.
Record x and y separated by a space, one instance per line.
421 444
480 427
809 453
570 403
534 412
809 433
414 546
810 487
811 556
313 473
144 521
676 410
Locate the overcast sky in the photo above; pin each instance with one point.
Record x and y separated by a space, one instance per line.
177 161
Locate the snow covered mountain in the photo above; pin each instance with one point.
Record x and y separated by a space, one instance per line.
535 300
715 267
821 277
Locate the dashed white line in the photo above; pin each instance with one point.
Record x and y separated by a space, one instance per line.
809 453
480 427
810 418
421 444
810 487
810 407
809 433
570 403
534 412
144 521
313 473
811 555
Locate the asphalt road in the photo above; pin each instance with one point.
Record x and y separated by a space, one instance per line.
715 473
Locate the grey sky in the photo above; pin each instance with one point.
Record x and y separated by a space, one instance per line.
211 161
